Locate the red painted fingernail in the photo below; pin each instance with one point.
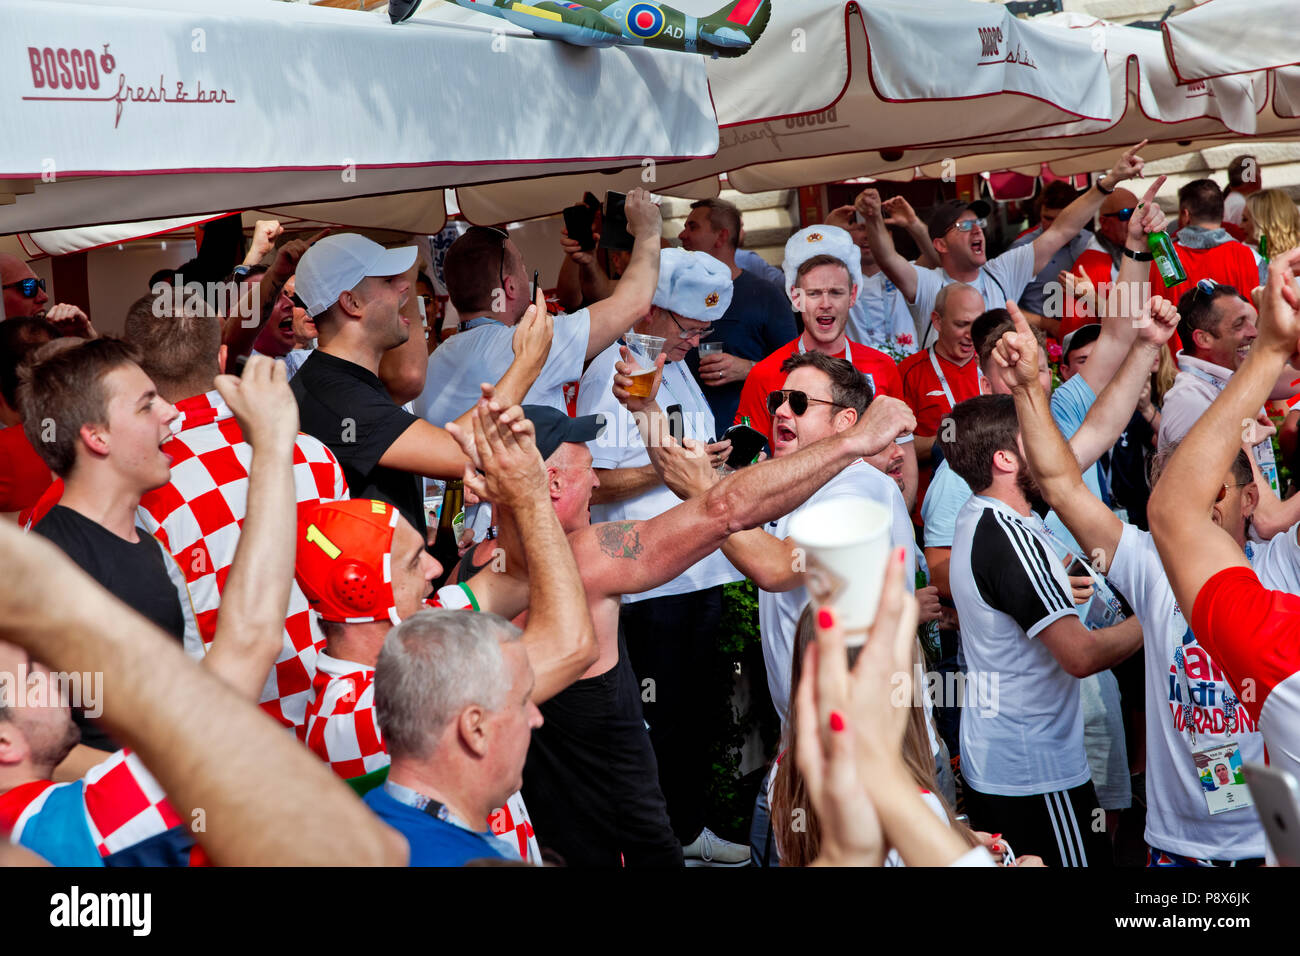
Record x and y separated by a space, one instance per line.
997 836
825 620
997 848
901 554
837 722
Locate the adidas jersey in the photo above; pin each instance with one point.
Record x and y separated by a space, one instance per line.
1022 726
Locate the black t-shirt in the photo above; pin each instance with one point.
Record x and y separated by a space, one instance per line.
345 407
133 573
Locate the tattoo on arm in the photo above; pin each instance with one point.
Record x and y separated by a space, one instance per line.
619 539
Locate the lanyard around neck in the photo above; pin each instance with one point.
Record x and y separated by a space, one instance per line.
848 350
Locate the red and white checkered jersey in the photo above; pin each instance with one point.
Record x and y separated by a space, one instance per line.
198 515
342 730
120 805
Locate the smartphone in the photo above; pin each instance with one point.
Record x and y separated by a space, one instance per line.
1078 569
577 223
746 443
613 233
1277 799
535 284
676 424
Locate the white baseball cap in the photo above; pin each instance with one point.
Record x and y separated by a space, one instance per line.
338 263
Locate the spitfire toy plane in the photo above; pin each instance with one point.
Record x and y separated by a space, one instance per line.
730 31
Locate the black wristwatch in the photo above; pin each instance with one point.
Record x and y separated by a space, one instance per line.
1102 189
1138 256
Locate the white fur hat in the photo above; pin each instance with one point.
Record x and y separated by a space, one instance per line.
821 241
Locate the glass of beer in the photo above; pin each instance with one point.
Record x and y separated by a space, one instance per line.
645 351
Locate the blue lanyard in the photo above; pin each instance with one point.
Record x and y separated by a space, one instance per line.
481 320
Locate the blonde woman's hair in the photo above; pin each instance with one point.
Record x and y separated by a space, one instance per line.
1164 376
795 826
1277 218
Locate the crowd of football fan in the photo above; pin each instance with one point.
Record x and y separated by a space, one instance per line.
236 596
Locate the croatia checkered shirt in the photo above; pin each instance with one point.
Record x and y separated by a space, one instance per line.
198 515
119 802
341 729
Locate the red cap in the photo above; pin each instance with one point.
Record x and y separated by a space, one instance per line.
344 560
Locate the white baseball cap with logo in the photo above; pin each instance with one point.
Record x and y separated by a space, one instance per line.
338 263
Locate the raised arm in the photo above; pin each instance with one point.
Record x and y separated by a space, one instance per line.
899 212
425 449
1192 547
559 636
631 298
1081 212
1123 313
1114 407
896 268
245 323
255 601
1054 468
654 551
209 748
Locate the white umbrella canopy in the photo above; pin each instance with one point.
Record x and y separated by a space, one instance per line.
1223 37
1147 103
830 77
162 108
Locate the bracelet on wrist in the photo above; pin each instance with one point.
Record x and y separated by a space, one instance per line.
1102 189
1138 256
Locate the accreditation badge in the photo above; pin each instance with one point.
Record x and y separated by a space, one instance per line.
1223 782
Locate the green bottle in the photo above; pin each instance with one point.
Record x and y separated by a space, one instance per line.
1263 246
1167 264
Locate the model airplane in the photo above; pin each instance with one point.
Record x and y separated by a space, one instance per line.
730 31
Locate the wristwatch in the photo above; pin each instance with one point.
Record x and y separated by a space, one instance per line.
1138 256
1102 189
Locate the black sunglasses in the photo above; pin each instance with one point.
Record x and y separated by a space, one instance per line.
798 401
27 287
1123 215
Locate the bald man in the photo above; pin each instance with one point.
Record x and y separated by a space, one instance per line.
25 296
1100 260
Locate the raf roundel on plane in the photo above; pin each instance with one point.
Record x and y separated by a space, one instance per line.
730 31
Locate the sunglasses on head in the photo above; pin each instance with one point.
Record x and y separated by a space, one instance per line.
27 287
966 225
798 401
1123 215
1211 288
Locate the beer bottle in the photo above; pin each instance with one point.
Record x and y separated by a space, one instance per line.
1263 246
1166 257
444 549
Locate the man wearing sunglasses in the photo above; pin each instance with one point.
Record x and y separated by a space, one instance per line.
957 231
24 296
24 293
1100 261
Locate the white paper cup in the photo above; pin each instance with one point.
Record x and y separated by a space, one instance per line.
846 542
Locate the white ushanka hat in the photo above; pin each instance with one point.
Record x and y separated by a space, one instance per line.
693 284
821 241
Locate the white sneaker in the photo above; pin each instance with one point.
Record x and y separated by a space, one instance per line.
709 849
